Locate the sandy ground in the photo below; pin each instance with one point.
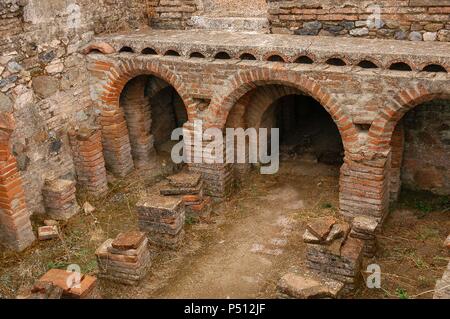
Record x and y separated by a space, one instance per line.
252 239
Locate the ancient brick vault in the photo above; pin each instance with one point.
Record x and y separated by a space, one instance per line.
232 79
110 101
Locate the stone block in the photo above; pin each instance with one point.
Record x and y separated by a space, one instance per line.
442 288
48 232
307 286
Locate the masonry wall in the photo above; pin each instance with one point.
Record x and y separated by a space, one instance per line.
415 20
426 164
43 80
172 14
365 104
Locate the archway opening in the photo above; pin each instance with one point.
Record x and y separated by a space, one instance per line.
436 68
307 131
126 50
222 56
247 56
366 64
168 113
197 55
421 148
336 62
171 53
304 60
310 146
400 66
149 51
418 222
275 58
153 110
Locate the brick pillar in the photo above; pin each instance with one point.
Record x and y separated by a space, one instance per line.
89 162
218 178
364 188
116 142
138 117
236 119
60 199
15 227
397 148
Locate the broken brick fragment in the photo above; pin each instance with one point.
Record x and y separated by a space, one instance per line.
48 232
321 227
128 240
64 280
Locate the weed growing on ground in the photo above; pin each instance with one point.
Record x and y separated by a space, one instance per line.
401 293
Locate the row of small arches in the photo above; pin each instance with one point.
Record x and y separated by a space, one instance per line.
365 64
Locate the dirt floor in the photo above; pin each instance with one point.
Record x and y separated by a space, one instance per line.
252 239
410 247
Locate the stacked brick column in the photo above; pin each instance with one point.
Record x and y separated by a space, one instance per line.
218 177
60 199
15 226
162 218
190 187
397 148
125 259
116 142
236 119
138 117
364 228
89 161
331 252
364 188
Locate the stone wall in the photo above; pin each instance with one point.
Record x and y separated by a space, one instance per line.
43 80
172 14
426 164
415 20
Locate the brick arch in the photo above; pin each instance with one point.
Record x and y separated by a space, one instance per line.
338 57
382 128
309 55
253 52
369 59
263 99
119 75
269 54
246 81
115 134
443 64
409 62
102 47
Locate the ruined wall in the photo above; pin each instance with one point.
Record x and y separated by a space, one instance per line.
416 20
172 14
426 164
43 81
